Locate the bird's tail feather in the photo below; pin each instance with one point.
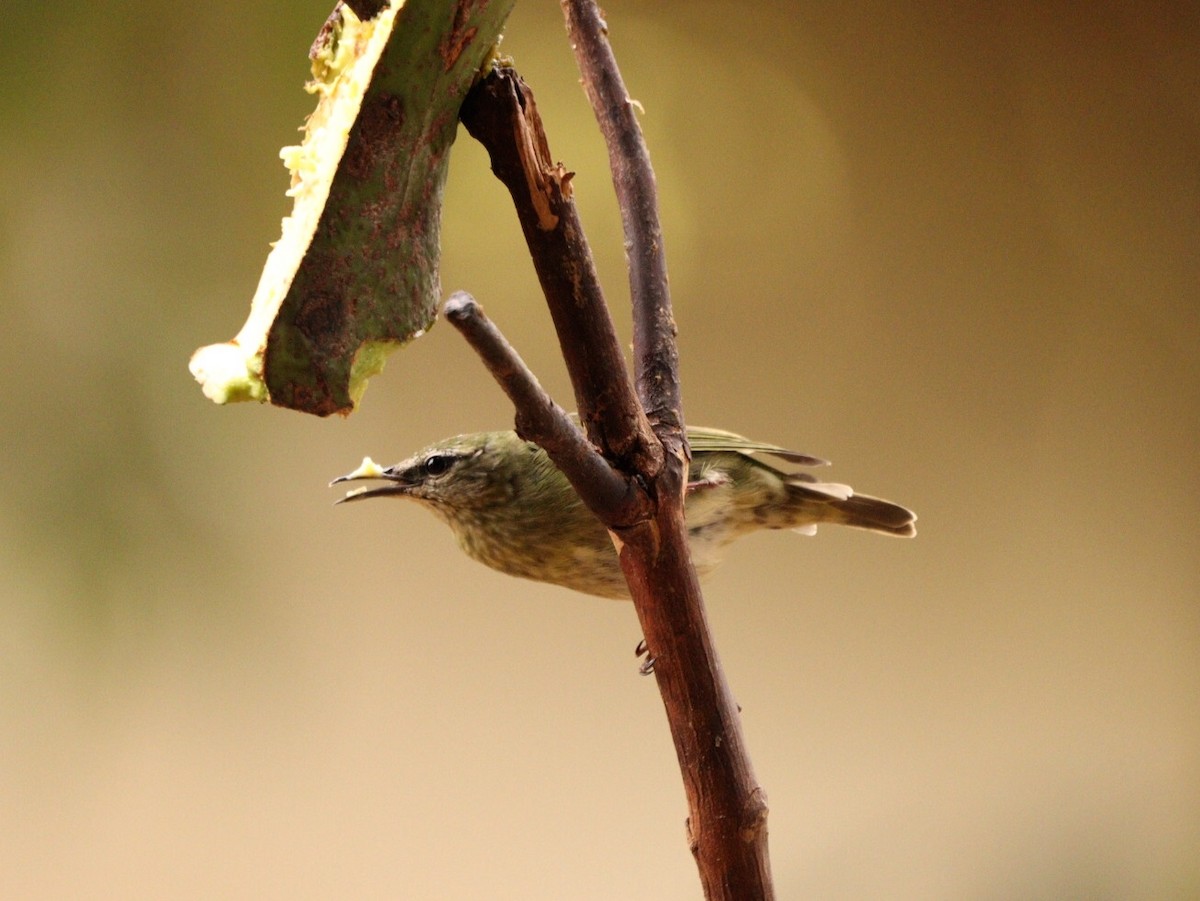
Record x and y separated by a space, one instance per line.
864 512
817 502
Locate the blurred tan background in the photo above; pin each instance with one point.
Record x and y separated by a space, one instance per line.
954 251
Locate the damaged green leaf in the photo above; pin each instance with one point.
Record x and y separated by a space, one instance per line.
355 273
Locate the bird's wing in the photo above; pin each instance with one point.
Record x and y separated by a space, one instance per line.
704 439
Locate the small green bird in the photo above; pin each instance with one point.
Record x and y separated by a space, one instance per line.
511 508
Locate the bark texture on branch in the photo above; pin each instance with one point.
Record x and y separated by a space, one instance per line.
727 808
727 824
655 355
501 114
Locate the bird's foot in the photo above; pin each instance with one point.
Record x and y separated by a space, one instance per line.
647 666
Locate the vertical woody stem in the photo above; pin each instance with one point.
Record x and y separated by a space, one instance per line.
655 355
727 809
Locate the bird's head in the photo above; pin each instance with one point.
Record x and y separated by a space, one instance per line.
458 475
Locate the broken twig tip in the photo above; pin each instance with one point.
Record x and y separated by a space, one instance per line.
461 306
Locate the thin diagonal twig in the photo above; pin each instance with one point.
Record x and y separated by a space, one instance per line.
611 496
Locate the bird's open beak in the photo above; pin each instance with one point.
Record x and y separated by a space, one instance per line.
369 469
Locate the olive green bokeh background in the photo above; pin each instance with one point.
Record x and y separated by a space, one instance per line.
954 250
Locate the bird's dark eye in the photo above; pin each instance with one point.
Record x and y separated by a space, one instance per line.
436 464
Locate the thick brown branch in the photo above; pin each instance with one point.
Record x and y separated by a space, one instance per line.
611 496
655 356
728 811
501 114
727 821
